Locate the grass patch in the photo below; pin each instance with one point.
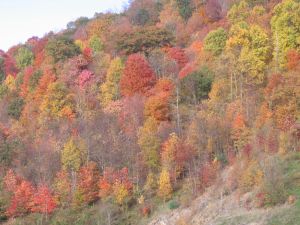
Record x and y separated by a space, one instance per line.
290 216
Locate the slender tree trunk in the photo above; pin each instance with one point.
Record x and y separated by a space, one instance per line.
231 86
276 53
241 88
108 218
246 99
236 85
177 109
74 181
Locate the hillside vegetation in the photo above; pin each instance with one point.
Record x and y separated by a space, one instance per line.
172 112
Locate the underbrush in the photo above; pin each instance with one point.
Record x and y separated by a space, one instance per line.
281 180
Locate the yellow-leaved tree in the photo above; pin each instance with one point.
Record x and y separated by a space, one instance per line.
285 25
150 143
73 154
169 150
120 193
109 90
10 82
58 102
165 188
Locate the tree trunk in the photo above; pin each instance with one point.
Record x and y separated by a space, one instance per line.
177 109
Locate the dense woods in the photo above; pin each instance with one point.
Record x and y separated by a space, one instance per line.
129 111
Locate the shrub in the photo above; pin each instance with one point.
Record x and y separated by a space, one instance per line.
173 204
252 177
208 175
146 211
273 187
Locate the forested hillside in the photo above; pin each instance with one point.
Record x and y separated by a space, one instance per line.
122 116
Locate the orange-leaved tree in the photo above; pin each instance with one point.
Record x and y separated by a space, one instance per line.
158 105
88 179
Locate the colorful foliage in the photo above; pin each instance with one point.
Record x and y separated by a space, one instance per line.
144 40
215 41
110 88
61 49
138 77
164 185
62 188
172 91
184 8
158 105
252 176
22 200
116 184
73 154
251 46
285 29
178 55
24 57
149 143
43 200
88 179
57 102
84 78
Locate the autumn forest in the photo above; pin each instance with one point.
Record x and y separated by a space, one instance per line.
124 117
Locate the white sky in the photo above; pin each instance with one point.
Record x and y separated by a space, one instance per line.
22 19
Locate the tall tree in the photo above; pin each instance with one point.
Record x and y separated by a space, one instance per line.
73 154
158 105
24 57
150 143
58 102
215 41
62 188
144 40
185 8
196 86
138 77
88 179
43 200
22 199
169 150
165 188
250 44
285 30
109 90
61 49
238 12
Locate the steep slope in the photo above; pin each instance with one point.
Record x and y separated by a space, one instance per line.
216 207
173 111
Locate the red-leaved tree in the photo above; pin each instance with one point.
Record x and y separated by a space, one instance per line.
138 77
22 200
178 55
43 200
88 182
11 181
